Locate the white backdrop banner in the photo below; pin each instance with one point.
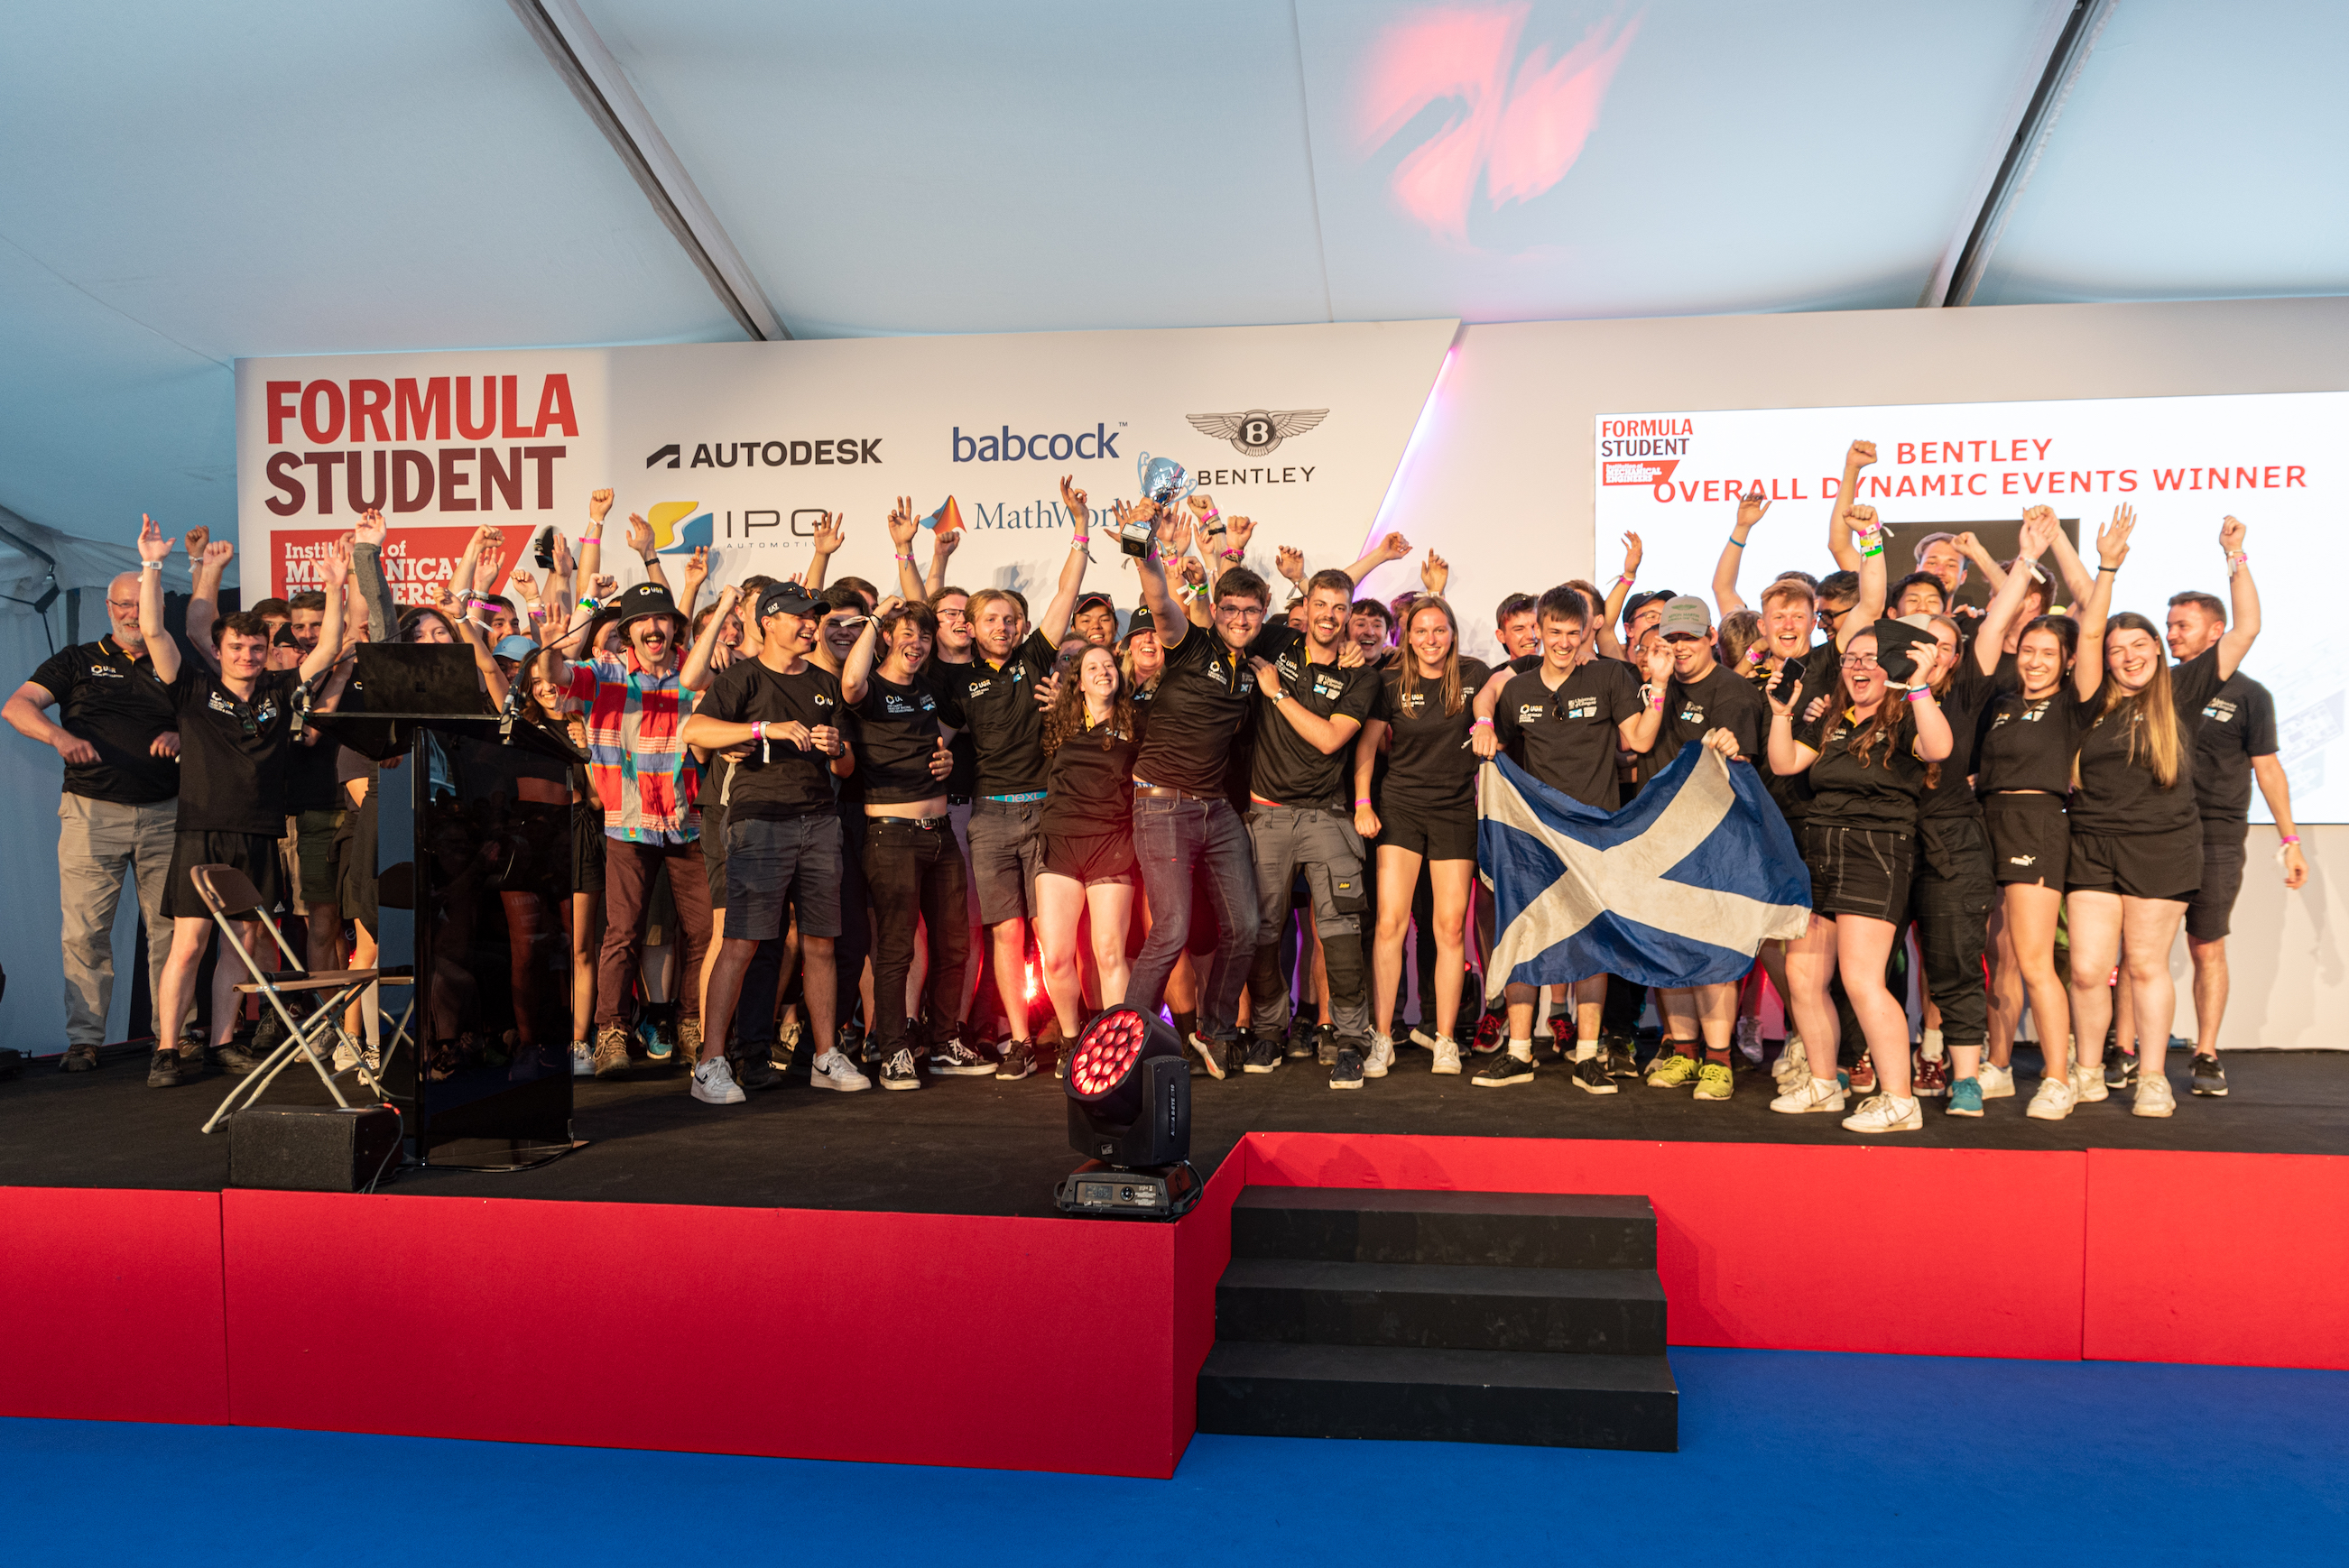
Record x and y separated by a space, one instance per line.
2183 463
741 446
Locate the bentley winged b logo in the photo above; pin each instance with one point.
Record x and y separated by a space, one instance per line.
1259 431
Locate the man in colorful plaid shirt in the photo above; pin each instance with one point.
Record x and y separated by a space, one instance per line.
645 780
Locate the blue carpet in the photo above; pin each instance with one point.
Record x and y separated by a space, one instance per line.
1786 1458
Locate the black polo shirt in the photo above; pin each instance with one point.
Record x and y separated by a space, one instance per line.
995 704
1204 696
116 703
1568 738
233 751
1287 767
2239 724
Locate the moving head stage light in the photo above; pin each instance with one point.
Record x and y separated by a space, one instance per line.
1129 1110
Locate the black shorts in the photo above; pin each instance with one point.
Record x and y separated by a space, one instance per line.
793 861
713 856
2165 865
355 876
313 848
1432 835
254 854
2030 837
1090 858
586 849
2213 904
1860 871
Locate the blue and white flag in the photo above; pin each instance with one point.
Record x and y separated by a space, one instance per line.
1679 888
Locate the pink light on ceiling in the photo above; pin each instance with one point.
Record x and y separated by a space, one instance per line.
1517 119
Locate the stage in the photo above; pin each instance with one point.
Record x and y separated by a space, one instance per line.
882 1276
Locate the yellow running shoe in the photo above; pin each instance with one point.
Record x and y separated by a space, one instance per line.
1672 1071
1713 1081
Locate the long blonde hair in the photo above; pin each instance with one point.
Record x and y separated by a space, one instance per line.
1452 695
2155 743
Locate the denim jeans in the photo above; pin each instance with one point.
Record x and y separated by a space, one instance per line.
1170 838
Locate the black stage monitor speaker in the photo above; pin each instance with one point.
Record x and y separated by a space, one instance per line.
312 1148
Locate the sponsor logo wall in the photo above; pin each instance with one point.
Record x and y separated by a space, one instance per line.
742 447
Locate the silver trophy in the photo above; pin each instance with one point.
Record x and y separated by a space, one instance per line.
1164 481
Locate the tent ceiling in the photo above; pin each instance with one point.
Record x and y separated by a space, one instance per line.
185 185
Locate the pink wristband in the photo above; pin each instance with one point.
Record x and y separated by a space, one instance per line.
1486 722
1917 692
2293 840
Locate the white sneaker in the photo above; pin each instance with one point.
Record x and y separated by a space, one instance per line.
2154 1097
2054 1100
346 1057
1447 1054
1886 1113
713 1083
582 1059
1749 1039
1422 1037
2088 1083
1793 1068
1997 1082
1380 1059
832 1070
1812 1094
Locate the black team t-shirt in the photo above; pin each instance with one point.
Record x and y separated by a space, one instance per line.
996 705
2028 743
1966 705
2238 723
1822 666
1202 699
1289 768
785 782
116 703
2121 797
896 729
233 751
1567 738
1431 769
1091 783
1721 699
1879 794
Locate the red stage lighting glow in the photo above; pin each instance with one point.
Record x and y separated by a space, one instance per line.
1106 1054
1516 133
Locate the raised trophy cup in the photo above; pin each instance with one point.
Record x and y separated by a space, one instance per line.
1163 480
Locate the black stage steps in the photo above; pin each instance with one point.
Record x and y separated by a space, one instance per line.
1475 1317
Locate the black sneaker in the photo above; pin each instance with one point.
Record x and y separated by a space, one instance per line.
1300 1039
2120 1070
899 1071
79 1060
1591 1076
163 1071
1503 1070
1212 1054
1620 1061
2210 1078
238 1056
950 1058
1263 1056
754 1071
1326 1047
1018 1061
1346 1072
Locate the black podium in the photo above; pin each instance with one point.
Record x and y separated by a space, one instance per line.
471 890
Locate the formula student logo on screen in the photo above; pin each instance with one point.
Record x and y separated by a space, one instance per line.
1645 450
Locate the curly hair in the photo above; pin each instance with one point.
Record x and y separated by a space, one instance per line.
1064 721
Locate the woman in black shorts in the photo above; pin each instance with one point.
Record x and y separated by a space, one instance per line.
2022 773
1090 740
2137 852
1425 810
1870 757
545 704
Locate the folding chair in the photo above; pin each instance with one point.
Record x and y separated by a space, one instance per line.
227 891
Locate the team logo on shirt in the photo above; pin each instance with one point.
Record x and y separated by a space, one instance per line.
893 704
219 702
1691 714
1413 703
2221 710
1530 712
2031 714
1323 686
104 672
1582 708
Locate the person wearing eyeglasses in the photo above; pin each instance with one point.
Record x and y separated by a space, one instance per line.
117 729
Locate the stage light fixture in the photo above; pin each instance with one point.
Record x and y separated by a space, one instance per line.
1130 1112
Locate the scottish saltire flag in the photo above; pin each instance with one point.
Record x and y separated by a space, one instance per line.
1678 888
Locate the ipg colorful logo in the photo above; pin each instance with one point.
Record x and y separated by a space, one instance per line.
677 527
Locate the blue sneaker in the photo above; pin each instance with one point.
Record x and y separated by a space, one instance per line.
1965 1097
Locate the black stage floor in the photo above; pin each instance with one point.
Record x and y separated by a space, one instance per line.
978 1146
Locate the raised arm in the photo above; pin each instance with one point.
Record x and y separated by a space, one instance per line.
1172 625
1839 545
203 598
329 648
942 548
1981 560
856 670
2077 578
2243 626
2112 550
696 572
1732 554
1390 547
829 534
695 675
641 544
1639 732
591 543
1934 740
1871 602
1055 621
903 526
1989 642
367 571
161 646
1788 756
1610 614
